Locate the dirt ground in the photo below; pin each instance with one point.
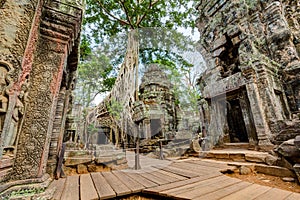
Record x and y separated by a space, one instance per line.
271 181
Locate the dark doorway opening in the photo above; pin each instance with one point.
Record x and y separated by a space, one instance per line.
155 126
102 138
236 124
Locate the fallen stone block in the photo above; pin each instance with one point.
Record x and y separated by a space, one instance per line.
274 171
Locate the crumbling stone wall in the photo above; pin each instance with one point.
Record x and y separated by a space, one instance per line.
252 53
38 59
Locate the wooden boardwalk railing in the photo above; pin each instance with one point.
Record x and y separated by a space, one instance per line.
195 179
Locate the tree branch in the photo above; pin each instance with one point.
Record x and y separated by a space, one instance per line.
151 4
111 15
126 13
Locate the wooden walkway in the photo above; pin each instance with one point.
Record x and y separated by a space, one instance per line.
191 179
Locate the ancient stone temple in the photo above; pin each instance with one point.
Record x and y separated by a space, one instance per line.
156 112
39 43
251 86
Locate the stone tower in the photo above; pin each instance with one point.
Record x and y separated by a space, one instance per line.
156 111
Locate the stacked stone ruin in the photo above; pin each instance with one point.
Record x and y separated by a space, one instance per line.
156 111
251 88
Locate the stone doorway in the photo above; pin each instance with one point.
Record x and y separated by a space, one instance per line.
155 127
236 124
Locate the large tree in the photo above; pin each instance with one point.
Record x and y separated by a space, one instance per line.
106 19
109 17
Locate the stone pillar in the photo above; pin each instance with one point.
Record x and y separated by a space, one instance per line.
54 148
262 128
248 119
59 31
19 24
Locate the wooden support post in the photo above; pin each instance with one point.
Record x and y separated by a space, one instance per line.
137 154
161 153
59 170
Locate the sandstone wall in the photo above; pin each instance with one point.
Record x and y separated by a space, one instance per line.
250 47
38 60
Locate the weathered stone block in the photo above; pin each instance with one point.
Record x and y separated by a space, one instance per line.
74 153
72 161
258 158
288 149
274 171
82 169
244 170
271 160
237 157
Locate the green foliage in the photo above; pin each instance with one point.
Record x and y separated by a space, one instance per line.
95 76
107 18
114 108
85 48
92 129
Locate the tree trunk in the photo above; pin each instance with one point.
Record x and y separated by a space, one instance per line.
125 89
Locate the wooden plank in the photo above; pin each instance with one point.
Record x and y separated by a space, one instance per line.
71 191
274 194
103 188
164 175
143 181
248 193
176 176
168 179
186 188
153 178
58 186
293 196
206 188
193 167
132 184
224 191
181 172
159 189
117 185
87 189
212 164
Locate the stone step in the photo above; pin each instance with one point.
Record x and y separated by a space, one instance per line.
239 145
238 155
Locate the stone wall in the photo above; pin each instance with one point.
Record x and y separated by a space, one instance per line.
252 52
38 59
